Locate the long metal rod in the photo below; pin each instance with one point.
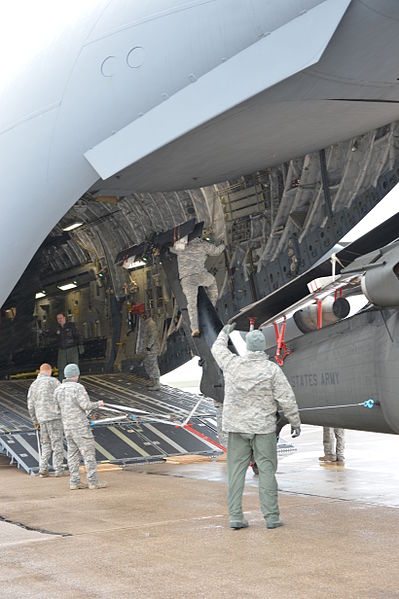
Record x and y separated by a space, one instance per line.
369 403
39 449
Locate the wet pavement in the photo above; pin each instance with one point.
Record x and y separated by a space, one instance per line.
162 530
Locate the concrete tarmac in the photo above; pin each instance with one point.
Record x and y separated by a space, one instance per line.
162 531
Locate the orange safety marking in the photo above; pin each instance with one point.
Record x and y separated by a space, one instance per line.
282 350
319 314
190 428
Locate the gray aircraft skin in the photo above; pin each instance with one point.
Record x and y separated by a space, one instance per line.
274 123
347 363
167 95
344 372
337 370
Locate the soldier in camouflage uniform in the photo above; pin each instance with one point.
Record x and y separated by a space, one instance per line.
74 403
255 389
151 349
333 455
46 415
193 274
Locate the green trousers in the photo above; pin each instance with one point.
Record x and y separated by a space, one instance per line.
239 451
67 356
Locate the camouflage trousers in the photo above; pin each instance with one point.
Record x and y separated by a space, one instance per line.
70 355
151 365
240 448
51 433
190 286
81 443
329 442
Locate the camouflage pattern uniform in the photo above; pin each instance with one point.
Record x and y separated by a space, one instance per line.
219 415
44 410
74 403
193 274
328 442
255 389
151 349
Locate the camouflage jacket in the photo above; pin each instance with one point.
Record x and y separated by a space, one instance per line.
255 389
74 403
150 335
191 259
41 404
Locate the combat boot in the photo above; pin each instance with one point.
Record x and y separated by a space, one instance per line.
274 523
327 459
340 461
76 486
237 524
43 473
195 333
155 386
98 485
61 473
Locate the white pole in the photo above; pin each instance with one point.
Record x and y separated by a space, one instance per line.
39 449
192 411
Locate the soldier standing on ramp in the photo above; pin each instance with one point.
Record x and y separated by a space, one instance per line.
46 416
74 403
151 349
69 345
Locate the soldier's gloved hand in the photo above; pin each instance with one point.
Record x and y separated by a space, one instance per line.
37 426
228 328
295 431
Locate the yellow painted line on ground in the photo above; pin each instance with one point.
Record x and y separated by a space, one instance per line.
108 467
103 451
128 441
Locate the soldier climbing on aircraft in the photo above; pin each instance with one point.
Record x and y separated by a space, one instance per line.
191 256
46 416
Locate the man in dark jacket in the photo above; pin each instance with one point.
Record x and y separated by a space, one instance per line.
68 344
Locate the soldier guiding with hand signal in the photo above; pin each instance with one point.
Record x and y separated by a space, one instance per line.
255 389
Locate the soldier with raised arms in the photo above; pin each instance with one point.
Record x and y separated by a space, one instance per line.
255 389
191 257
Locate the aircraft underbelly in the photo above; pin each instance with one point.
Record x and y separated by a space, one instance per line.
247 138
223 125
